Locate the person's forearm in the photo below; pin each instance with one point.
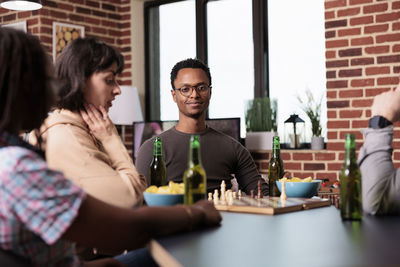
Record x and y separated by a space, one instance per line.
379 189
113 229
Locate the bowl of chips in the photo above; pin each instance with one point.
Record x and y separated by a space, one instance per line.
296 187
167 195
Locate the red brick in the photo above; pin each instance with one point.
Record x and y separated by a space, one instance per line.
335 166
92 20
330 34
396 155
325 156
285 156
347 32
124 9
377 49
125 42
337 43
388 17
362 61
337 63
76 18
337 104
396 48
46 21
65 7
389 59
350 93
45 39
314 166
108 7
368 113
396 69
22 15
58 15
332 135
331 74
302 156
335 23
99 30
31 22
334 3
388 80
46 30
359 123
76 1
292 166
362 20
92 3
362 82
377 70
99 13
332 114
360 103
396 26
10 17
376 28
357 2
336 146
341 155
375 8
329 15
348 114
348 12
333 124
350 73
330 54
387 38
350 52
396 5
362 41
127 82
331 94
337 84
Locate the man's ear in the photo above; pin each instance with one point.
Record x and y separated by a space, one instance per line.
173 94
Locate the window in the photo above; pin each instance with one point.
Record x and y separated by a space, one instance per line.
253 50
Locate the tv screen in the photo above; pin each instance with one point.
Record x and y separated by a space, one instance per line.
145 130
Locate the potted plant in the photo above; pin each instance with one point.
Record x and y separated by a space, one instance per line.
260 123
312 109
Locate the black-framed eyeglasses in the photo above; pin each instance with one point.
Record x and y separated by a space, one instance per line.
187 90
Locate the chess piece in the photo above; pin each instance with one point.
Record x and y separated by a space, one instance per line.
230 197
259 194
234 195
215 197
283 194
223 190
252 193
240 194
210 197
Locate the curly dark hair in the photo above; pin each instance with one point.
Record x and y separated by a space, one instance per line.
193 63
26 94
77 62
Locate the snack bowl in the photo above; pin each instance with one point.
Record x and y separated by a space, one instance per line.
157 199
301 189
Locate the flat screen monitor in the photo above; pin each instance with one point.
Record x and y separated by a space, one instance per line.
145 130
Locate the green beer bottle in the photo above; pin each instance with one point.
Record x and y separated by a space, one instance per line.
350 183
275 168
194 178
157 170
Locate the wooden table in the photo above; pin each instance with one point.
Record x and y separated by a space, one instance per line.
315 237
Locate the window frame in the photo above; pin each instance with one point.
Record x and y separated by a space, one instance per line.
152 66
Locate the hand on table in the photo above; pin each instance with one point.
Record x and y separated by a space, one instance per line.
211 215
98 121
387 105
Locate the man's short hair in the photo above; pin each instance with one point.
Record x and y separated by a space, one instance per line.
193 63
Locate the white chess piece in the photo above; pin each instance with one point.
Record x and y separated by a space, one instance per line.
223 190
283 194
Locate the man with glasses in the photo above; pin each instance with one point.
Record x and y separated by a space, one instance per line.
222 156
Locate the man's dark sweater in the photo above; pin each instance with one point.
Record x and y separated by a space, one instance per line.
221 156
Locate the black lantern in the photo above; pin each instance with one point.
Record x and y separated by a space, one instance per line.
294 131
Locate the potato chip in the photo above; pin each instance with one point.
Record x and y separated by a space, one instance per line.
171 188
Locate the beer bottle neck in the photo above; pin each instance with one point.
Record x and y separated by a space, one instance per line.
157 151
194 156
350 156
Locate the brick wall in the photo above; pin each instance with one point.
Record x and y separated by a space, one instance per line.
109 20
362 60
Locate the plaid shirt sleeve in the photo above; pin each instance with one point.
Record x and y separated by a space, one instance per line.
43 199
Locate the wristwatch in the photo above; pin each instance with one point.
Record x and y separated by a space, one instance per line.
379 122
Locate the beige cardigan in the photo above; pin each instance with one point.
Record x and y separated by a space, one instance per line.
104 170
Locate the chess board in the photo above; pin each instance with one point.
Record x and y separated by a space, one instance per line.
270 205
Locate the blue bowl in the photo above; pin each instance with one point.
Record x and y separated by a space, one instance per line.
301 189
153 199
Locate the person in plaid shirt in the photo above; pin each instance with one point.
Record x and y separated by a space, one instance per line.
42 214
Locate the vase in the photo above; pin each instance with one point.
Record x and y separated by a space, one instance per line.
317 143
259 140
